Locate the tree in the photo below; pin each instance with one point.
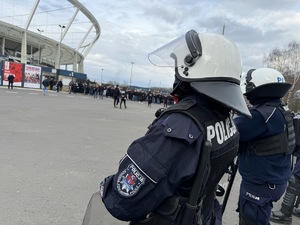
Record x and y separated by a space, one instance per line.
287 62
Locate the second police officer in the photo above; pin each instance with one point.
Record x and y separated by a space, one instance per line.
289 205
191 144
267 141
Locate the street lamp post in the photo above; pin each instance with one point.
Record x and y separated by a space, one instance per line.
40 50
101 76
131 75
59 48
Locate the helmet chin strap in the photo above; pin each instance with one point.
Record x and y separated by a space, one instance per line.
181 89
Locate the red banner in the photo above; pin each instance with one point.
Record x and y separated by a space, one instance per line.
15 69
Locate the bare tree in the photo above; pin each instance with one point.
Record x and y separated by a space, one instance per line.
287 62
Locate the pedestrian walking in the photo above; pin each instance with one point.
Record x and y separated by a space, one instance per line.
45 85
123 98
149 98
116 94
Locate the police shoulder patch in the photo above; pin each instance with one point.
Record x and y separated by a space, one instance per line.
130 181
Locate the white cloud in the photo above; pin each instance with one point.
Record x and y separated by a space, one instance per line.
132 29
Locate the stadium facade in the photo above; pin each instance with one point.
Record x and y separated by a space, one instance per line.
36 49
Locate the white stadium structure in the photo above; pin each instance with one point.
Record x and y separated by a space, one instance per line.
58 35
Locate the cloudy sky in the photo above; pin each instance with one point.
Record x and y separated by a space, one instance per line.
130 29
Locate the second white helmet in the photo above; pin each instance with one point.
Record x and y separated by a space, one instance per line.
265 82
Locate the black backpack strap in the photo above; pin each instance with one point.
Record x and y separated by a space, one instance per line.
191 209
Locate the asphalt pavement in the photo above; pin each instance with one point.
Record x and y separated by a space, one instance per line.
56 148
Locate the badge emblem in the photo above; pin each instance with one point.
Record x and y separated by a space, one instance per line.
129 181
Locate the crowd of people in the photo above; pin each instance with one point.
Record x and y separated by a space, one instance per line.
110 91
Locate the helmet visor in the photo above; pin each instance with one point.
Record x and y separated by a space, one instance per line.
195 56
165 56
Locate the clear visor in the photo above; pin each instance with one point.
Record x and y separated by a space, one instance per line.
170 55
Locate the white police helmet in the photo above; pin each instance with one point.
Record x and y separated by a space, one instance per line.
265 82
209 62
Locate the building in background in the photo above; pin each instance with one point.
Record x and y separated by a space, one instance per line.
45 40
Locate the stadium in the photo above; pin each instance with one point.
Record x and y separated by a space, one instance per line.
45 40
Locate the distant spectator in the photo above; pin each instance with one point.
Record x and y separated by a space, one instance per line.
70 86
45 84
11 81
59 86
149 96
165 101
51 83
123 99
101 91
116 96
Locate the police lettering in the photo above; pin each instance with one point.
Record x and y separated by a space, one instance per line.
221 131
252 196
280 80
136 173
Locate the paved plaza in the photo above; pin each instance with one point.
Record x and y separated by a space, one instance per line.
55 150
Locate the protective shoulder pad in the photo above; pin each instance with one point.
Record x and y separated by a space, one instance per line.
181 106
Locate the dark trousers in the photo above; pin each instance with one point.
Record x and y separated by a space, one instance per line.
124 101
116 101
10 84
256 201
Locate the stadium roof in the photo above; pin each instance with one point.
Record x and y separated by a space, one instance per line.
45 36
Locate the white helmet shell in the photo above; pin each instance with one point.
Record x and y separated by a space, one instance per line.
209 62
218 58
266 82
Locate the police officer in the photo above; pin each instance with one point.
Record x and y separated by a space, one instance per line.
266 143
284 214
155 177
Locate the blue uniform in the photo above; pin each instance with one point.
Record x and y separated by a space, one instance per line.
296 170
162 164
154 168
264 178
